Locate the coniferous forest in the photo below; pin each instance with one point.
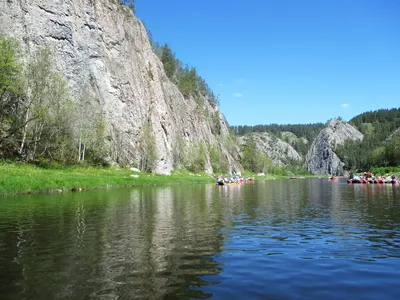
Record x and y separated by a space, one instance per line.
381 143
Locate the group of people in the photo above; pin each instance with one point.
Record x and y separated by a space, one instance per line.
235 179
369 176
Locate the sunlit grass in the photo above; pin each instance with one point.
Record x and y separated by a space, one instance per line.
386 170
17 178
22 178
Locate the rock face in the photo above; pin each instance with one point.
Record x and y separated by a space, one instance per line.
280 152
395 133
291 138
321 159
100 47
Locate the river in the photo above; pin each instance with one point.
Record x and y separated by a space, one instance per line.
278 239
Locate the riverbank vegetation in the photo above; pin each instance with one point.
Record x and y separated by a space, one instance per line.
385 171
26 178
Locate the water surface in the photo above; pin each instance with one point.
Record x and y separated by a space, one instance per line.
282 239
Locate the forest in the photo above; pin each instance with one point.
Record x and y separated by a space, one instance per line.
381 144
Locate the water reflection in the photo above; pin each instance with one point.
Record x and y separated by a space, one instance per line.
133 243
201 241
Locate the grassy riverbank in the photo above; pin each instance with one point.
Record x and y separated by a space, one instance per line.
22 178
17 178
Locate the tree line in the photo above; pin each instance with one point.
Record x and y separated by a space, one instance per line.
130 4
186 78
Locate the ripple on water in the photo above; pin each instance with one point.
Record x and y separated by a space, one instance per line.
308 239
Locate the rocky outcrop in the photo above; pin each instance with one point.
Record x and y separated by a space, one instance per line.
395 133
292 139
280 152
321 158
102 48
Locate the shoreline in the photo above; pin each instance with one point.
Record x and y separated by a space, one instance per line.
23 179
26 179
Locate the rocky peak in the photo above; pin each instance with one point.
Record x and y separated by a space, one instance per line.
332 123
321 159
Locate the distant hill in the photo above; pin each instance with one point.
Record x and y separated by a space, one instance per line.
299 136
379 147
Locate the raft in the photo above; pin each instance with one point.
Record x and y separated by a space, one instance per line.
228 184
357 181
379 181
376 181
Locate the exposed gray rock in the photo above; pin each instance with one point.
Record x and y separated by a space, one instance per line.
321 159
99 46
395 133
292 139
280 152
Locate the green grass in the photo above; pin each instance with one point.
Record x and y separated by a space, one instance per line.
23 178
19 178
385 170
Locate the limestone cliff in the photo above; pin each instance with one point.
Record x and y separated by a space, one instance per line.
280 152
101 47
321 159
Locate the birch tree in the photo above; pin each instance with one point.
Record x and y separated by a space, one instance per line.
90 129
11 91
147 148
47 112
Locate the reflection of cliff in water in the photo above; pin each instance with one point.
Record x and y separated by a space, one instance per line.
141 243
164 244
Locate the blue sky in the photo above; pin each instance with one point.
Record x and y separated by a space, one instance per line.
273 61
